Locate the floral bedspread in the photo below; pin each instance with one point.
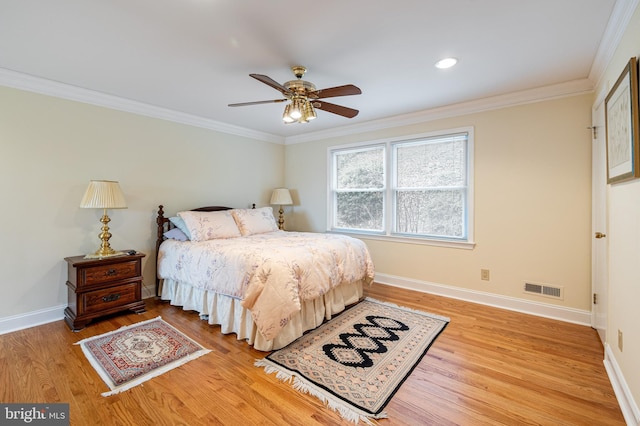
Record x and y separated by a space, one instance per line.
272 272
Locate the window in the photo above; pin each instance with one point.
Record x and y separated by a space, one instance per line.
416 188
359 188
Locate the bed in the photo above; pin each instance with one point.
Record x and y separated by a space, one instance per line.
268 286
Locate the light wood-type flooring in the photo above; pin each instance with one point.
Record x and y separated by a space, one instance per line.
488 367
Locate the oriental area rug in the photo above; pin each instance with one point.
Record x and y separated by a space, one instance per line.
357 361
135 353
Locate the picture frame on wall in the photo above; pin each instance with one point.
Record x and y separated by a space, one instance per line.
623 126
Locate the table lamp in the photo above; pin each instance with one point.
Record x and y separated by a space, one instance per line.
281 197
103 194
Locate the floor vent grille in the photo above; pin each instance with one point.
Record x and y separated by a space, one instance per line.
544 290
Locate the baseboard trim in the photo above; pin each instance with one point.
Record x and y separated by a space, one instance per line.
43 316
629 408
576 316
31 319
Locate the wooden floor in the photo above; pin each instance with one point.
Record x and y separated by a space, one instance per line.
488 367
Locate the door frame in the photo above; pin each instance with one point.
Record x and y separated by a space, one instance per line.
599 221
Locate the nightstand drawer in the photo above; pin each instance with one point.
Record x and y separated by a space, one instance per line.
108 273
104 299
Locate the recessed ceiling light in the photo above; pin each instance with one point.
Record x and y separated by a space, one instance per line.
446 63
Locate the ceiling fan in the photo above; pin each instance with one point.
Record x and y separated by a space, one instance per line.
305 98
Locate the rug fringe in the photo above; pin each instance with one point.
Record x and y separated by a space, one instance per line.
298 383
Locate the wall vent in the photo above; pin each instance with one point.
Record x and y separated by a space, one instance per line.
544 290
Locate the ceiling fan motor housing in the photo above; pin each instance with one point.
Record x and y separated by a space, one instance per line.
300 87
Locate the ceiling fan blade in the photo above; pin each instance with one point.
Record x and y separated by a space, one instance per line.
332 92
257 102
335 109
271 82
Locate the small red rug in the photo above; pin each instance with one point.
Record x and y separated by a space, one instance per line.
135 353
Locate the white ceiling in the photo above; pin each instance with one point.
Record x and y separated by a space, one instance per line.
195 56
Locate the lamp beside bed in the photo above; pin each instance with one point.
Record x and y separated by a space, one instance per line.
281 197
103 194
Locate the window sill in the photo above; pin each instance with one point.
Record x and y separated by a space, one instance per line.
465 245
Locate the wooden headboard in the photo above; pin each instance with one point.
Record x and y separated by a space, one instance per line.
164 224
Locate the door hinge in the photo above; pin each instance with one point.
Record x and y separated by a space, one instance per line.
595 299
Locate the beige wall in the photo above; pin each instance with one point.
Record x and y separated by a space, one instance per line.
50 149
623 237
532 202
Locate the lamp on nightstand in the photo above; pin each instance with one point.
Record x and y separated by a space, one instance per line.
281 197
103 194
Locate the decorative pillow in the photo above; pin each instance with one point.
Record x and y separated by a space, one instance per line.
255 221
179 223
204 226
176 234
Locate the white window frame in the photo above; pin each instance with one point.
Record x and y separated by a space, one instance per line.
388 207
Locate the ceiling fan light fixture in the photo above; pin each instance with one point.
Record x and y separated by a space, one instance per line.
446 63
297 108
309 111
286 117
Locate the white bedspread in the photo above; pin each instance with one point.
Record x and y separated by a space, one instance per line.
271 273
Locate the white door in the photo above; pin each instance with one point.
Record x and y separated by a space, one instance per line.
599 263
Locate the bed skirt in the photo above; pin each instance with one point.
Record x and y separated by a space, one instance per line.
232 317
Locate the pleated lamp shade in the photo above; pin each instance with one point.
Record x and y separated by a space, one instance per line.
281 196
103 194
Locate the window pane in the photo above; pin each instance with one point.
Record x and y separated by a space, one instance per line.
360 169
431 163
434 213
360 210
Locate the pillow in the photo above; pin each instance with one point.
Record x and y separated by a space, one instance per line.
179 223
205 226
176 234
255 221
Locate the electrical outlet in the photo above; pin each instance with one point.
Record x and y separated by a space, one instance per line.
620 340
484 274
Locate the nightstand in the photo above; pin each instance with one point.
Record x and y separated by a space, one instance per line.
98 287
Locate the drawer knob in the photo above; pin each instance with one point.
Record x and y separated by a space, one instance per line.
111 298
111 272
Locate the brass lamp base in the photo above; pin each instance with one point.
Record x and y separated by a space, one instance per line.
281 219
105 249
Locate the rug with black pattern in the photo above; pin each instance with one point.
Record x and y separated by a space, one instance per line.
357 361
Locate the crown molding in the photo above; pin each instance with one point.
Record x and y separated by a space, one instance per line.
621 14
43 86
539 94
